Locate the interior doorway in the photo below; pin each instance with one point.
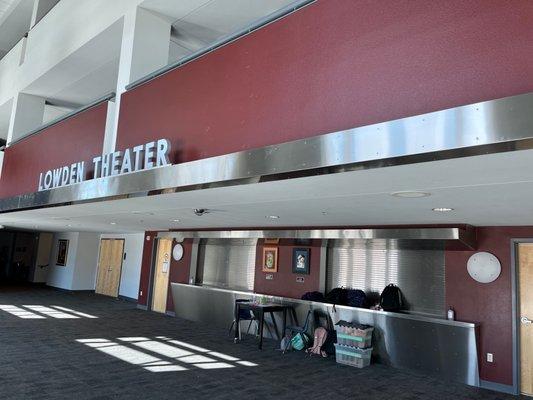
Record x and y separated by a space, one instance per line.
525 313
109 267
161 275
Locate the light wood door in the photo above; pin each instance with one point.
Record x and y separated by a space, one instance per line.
161 273
109 266
525 279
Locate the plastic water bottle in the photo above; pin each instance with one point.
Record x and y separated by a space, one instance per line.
451 314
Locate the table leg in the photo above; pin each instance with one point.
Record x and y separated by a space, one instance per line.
294 317
261 325
237 323
275 325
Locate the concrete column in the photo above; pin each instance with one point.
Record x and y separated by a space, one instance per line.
145 47
26 114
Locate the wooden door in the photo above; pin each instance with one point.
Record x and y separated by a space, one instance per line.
161 273
109 266
525 282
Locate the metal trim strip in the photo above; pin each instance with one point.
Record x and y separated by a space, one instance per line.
482 128
466 236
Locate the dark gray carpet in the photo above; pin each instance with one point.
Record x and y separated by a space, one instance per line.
42 359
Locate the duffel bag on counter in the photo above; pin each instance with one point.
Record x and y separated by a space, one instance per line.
391 298
356 298
337 296
313 296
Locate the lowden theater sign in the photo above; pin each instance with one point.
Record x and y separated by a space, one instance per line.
138 158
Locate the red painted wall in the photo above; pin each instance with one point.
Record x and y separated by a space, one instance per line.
146 266
489 304
333 65
284 282
79 138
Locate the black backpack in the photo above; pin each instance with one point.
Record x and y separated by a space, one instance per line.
313 296
356 298
337 296
391 298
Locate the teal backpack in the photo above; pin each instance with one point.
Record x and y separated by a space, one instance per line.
300 341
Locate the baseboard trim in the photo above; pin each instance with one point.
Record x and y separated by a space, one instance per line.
142 307
128 299
60 289
498 387
171 313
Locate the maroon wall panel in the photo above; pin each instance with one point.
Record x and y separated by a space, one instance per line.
179 270
489 304
146 267
284 282
79 138
333 65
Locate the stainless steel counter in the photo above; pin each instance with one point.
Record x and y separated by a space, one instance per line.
446 348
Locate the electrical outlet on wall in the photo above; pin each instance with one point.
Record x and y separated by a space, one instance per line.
490 357
140 293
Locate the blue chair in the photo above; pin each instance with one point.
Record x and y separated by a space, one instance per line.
244 315
294 330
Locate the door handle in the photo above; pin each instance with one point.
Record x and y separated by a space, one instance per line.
525 321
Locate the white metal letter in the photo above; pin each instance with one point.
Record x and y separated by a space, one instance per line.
149 155
64 176
96 161
116 159
163 149
126 162
48 179
80 172
138 151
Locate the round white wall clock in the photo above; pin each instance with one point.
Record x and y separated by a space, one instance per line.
177 252
483 267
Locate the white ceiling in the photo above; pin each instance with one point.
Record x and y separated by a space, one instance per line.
87 74
199 23
15 19
484 190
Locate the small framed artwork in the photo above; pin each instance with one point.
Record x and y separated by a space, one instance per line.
271 241
300 261
270 259
62 252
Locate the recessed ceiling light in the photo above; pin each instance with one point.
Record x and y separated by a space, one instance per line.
113 223
410 194
442 209
272 216
175 220
69 224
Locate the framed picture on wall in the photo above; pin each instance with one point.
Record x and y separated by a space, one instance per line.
300 261
270 259
62 252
